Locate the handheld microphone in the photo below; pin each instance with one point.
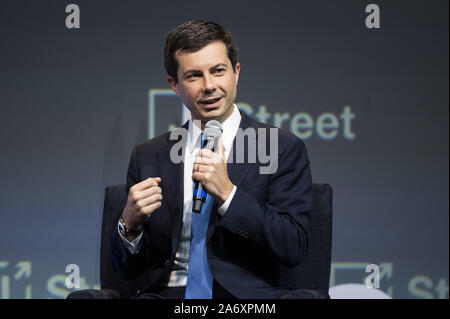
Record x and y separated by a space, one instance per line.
213 130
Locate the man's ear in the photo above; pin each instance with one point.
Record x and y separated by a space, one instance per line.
236 73
173 84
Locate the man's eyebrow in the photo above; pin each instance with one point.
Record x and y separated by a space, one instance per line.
218 65
198 71
191 71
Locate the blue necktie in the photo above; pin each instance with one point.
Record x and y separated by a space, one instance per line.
199 280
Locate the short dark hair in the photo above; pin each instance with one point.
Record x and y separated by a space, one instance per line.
192 36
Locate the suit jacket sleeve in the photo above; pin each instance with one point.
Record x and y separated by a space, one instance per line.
280 224
127 264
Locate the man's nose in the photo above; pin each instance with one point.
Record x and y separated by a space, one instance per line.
209 84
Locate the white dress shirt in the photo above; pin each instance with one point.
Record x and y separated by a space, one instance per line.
178 275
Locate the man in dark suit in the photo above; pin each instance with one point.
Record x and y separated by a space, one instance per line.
257 221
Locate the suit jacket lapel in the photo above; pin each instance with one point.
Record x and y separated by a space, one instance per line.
236 171
174 188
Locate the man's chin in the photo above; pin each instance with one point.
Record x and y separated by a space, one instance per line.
212 114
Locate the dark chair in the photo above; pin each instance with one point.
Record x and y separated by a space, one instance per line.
310 279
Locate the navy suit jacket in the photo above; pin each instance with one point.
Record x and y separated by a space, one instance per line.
264 231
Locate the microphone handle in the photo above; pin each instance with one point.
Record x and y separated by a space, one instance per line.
199 196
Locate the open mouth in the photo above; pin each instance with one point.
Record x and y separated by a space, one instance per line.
210 103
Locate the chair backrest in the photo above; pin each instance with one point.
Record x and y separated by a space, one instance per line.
312 273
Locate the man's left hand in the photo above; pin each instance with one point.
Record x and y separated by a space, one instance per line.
211 170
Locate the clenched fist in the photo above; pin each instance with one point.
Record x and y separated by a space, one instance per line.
143 199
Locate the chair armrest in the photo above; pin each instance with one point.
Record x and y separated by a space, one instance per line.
94 294
306 294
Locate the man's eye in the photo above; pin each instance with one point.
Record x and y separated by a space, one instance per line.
219 71
192 76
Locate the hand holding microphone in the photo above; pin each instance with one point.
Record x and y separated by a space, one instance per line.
209 171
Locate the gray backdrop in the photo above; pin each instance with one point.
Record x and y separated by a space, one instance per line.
74 102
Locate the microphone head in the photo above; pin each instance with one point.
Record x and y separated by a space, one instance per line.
213 129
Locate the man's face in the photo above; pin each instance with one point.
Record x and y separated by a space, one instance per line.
206 84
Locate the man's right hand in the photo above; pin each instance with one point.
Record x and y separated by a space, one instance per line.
143 199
